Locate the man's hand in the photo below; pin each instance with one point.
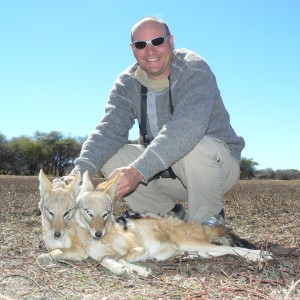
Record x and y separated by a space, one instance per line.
67 179
129 180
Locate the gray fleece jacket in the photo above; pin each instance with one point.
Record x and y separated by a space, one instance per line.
198 111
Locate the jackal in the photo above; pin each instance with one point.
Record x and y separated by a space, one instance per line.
134 237
57 206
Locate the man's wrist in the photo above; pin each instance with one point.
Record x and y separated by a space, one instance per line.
141 176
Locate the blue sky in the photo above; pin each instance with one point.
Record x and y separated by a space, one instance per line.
59 59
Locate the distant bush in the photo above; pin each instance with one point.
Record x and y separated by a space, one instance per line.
25 155
55 153
289 174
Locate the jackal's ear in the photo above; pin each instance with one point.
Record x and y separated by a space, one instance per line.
73 186
87 185
111 190
109 187
45 185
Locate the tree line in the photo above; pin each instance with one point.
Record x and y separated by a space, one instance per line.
249 171
55 154
51 151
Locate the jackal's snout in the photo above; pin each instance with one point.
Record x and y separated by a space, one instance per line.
57 234
98 235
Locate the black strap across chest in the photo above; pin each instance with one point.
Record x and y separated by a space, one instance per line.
143 127
143 124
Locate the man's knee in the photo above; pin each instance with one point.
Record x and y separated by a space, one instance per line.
125 155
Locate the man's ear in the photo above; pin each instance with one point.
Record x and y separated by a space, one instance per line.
171 39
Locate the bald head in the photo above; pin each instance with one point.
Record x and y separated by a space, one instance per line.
148 23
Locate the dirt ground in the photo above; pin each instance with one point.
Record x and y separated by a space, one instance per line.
265 212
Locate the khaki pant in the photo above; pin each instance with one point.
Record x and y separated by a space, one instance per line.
204 175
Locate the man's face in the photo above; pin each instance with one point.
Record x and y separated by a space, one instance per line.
155 60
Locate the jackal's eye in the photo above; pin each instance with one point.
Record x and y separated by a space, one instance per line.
67 213
50 213
89 213
105 215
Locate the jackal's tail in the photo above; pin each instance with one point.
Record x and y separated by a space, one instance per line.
220 235
239 242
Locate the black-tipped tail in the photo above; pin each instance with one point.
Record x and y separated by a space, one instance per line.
221 235
239 242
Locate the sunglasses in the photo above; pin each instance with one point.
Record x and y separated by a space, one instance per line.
155 42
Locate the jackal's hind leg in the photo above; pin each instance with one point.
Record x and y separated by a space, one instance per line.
135 254
214 251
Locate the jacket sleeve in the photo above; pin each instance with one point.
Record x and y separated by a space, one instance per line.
110 134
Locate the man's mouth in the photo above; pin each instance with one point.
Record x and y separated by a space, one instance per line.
152 59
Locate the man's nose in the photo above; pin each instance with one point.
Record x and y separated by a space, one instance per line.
150 48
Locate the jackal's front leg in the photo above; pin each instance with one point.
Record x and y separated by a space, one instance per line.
113 266
49 259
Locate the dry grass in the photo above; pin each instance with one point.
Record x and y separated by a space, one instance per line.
265 212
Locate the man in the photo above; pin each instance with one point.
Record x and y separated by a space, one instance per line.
187 128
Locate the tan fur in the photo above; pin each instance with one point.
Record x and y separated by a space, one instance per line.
91 231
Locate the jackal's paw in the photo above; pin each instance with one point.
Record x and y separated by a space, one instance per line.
143 272
135 269
261 256
45 260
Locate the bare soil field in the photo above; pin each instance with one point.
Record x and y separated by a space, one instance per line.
265 212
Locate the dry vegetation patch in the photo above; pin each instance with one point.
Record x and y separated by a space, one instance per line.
265 212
